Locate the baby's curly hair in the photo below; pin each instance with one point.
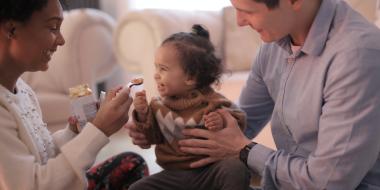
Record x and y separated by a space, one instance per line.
198 55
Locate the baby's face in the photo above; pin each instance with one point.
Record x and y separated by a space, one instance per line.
170 77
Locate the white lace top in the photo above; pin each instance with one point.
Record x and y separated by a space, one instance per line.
25 104
27 147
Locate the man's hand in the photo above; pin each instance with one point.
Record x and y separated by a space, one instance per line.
216 144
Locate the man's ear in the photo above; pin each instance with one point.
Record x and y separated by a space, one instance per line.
296 4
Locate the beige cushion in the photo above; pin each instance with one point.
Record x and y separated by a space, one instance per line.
148 28
365 7
240 43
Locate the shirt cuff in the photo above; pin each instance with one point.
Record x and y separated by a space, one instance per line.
62 136
258 156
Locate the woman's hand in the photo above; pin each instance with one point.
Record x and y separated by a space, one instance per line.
138 138
216 144
113 111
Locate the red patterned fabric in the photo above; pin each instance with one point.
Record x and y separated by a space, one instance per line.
118 172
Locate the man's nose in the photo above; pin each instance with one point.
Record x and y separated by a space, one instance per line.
241 19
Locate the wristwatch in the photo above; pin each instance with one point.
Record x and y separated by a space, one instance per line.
244 152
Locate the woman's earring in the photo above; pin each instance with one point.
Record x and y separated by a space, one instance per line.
11 33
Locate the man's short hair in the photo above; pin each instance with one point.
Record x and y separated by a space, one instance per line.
271 4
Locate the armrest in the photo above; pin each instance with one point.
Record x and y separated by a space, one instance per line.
139 34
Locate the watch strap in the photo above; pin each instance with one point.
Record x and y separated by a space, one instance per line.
244 152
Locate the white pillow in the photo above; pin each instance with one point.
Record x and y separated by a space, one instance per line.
365 7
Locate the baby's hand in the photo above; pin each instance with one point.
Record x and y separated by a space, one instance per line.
140 103
213 121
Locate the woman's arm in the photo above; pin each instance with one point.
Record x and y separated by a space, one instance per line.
21 169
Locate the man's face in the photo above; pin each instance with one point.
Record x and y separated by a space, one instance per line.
271 24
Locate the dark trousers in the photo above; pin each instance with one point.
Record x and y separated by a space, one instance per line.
118 172
228 174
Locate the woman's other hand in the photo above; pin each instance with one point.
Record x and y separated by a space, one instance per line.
73 124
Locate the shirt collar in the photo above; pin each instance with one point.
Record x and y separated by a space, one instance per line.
319 31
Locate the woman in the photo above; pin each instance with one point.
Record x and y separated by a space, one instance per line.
30 157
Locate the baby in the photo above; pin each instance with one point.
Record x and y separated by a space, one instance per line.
186 68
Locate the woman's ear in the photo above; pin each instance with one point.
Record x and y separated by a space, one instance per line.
8 29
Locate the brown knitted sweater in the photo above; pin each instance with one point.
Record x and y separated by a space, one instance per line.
168 116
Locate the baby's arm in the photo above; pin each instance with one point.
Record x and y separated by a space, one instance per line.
213 121
141 106
144 119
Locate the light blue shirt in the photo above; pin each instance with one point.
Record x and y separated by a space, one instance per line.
324 105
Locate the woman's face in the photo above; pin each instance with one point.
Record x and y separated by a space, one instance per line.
34 41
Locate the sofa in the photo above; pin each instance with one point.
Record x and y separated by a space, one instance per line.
86 58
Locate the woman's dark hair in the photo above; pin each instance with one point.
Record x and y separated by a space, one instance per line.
197 55
271 4
19 10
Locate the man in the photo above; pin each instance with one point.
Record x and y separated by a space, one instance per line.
317 78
